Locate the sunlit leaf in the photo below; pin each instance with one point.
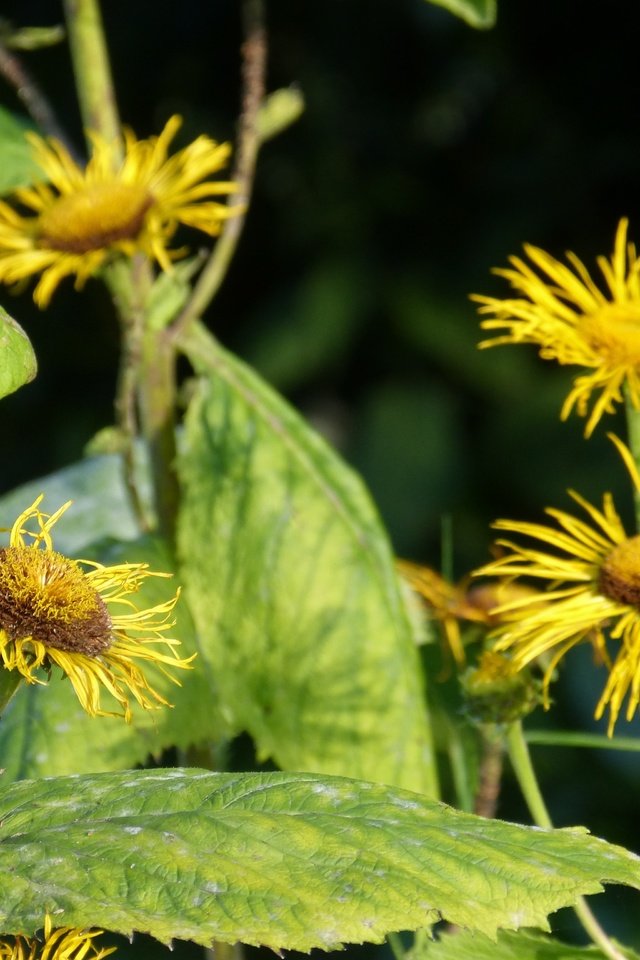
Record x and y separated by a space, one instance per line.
291 861
293 590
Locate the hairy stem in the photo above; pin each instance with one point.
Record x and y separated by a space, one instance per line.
254 54
528 782
490 779
129 301
157 401
28 91
146 392
92 70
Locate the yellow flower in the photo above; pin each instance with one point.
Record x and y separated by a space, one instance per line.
573 321
593 592
80 217
65 943
78 615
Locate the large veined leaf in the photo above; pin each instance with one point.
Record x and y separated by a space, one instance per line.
18 363
525 945
477 13
292 587
286 860
44 731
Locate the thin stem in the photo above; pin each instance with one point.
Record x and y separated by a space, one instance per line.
459 764
92 71
528 782
28 91
254 54
525 774
633 429
573 738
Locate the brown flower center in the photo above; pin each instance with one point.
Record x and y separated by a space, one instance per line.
620 573
613 332
47 597
101 214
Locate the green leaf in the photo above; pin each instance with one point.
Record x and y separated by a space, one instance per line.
292 861
18 364
31 38
44 731
17 166
292 587
477 13
523 946
101 509
278 111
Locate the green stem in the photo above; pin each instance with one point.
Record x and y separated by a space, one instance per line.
459 764
157 401
10 680
146 392
92 70
633 429
525 774
397 947
119 277
528 782
575 738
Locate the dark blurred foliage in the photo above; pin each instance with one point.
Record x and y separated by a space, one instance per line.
427 154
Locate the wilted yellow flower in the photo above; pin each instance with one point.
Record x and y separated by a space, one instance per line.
80 217
562 310
451 603
64 943
593 592
78 615
445 602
